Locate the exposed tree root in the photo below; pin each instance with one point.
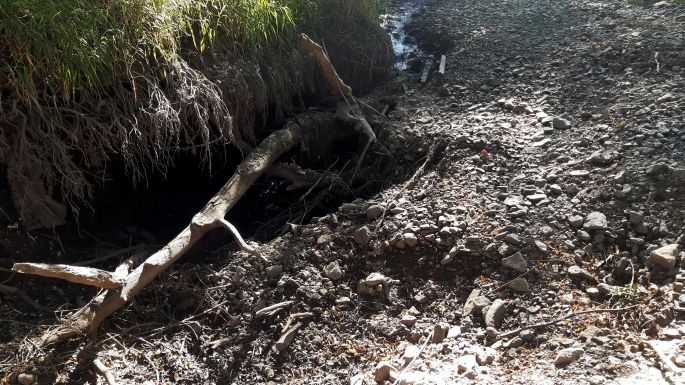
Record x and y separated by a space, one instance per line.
11 290
127 285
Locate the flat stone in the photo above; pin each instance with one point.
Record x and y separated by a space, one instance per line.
519 284
578 272
408 320
595 221
664 256
515 262
536 197
579 173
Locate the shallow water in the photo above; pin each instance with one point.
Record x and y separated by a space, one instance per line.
395 23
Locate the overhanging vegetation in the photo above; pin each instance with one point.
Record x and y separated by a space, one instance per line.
82 82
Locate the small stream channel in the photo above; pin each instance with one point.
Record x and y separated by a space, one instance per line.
395 22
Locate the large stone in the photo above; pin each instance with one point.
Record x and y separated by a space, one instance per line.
519 284
475 301
515 262
495 314
568 355
561 124
363 235
374 279
664 256
374 211
333 271
383 371
595 221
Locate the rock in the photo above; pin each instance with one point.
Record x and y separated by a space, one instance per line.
584 235
383 371
495 314
374 279
664 256
440 332
513 239
357 379
568 355
635 217
595 221
599 158
658 169
410 239
536 197
579 174
274 271
411 352
575 220
421 378
324 239
577 272
515 262
26 378
679 360
561 124
408 320
475 301
333 271
519 284
362 236
541 246
466 362
485 357
374 211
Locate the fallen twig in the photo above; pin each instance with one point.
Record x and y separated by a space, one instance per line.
272 310
290 330
557 320
104 371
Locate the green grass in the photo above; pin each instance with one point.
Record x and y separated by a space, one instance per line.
62 46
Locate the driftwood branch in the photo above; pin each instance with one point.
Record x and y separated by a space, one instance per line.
272 310
78 274
126 285
348 109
